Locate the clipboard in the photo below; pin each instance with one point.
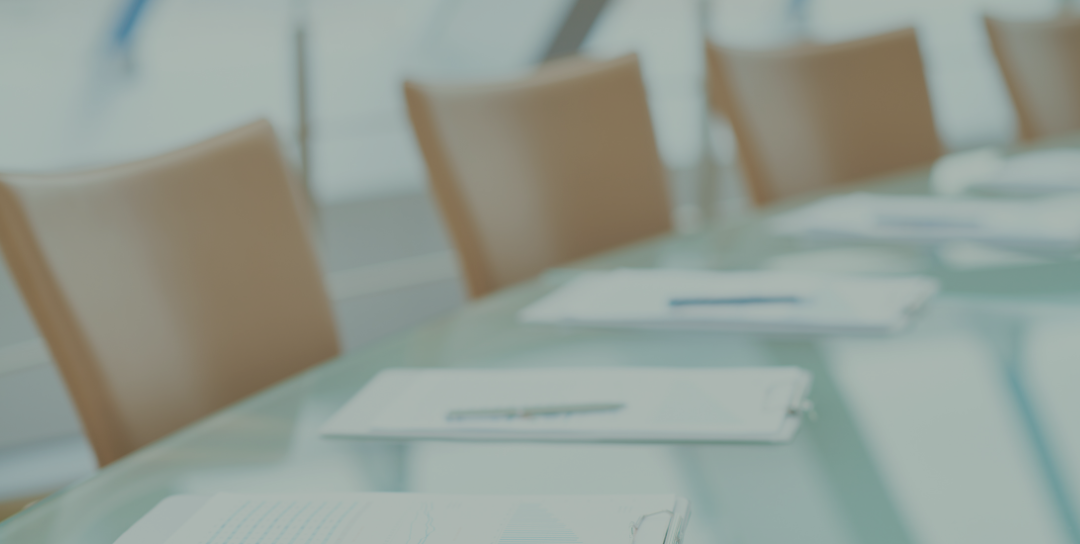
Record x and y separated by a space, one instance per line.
393 390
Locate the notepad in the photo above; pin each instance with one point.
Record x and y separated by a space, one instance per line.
1041 172
758 404
408 518
922 219
751 301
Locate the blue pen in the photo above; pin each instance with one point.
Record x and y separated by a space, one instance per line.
705 301
929 222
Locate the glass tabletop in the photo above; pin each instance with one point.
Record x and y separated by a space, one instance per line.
839 481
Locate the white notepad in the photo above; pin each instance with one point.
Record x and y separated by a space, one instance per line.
755 301
924 219
410 518
1041 172
757 404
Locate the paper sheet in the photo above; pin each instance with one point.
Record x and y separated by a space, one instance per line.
1040 172
1036 172
1038 225
404 518
660 403
826 303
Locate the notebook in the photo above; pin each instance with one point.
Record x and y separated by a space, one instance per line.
756 404
1029 224
752 301
410 518
1041 172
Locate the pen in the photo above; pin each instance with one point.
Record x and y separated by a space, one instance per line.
530 411
927 221
704 301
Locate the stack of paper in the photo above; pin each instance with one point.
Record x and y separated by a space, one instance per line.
761 404
780 302
1033 173
923 219
408 518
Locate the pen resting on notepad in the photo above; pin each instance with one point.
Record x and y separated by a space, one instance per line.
706 301
532 411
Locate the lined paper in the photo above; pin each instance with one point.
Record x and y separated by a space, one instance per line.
404 518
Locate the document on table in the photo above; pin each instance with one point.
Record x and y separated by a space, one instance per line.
1040 172
756 404
1038 225
408 518
755 301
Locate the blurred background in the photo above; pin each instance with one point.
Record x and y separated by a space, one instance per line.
95 82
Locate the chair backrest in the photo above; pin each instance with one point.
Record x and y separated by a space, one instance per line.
539 171
169 288
813 115
1040 61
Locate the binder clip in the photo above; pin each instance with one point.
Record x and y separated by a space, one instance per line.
637 524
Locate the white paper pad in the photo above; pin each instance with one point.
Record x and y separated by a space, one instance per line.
1039 172
760 404
958 172
923 219
643 298
406 518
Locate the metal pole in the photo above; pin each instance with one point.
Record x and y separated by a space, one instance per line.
708 184
303 106
579 20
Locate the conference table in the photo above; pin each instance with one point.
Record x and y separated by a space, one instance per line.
938 424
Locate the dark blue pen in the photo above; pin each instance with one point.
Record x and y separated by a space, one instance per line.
704 301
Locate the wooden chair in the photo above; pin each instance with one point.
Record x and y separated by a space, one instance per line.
1040 61
539 171
815 115
171 287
